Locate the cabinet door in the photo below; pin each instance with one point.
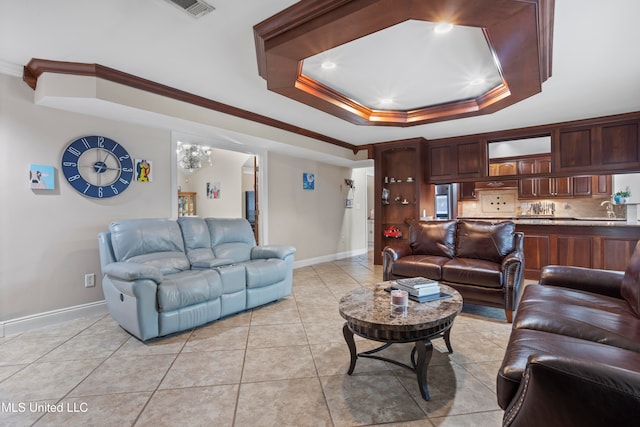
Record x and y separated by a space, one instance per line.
574 149
582 186
601 185
470 159
620 146
574 251
467 190
537 253
503 168
563 187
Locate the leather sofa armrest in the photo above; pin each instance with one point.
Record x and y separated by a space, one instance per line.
130 272
272 251
513 270
603 282
391 254
559 391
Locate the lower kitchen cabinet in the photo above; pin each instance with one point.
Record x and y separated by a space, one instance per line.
607 247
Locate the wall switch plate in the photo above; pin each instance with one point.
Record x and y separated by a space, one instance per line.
89 280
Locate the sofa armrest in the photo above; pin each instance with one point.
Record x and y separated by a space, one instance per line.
513 270
559 391
391 254
272 251
603 282
130 271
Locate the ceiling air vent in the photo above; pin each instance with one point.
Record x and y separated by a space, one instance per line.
195 8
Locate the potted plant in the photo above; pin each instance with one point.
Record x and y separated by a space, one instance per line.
622 196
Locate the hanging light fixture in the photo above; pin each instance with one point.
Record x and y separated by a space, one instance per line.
192 156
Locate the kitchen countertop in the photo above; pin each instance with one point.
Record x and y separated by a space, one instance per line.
576 222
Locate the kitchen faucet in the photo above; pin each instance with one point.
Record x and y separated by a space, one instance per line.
610 212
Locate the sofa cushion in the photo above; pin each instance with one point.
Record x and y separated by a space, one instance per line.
579 314
157 242
524 343
188 287
432 238
468 271
484 240
429 266
631 281
231 238
263 272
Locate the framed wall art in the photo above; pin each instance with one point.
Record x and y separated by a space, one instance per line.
308 181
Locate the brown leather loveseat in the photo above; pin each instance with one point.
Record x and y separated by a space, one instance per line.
484 261
573 357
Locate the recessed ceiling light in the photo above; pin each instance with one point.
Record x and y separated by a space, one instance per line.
328 65
478 81
386 101
443 27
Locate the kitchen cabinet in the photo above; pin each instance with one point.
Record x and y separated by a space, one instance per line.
467 191
583 244
503 168
592 186
452 161
612 146
535 188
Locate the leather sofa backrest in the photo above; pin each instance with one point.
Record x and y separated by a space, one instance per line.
157 242
231 238
485 240
630 288
432 238
197 241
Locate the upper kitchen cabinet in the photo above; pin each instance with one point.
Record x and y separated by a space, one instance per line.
457 160
610 146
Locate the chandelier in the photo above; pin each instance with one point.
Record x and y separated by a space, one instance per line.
192 156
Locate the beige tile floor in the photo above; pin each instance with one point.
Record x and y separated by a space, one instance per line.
283 364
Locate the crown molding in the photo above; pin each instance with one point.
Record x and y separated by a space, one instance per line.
36 67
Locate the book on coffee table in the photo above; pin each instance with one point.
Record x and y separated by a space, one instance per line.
417 282
426 298
418 286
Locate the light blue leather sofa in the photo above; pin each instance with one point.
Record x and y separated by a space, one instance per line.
162 276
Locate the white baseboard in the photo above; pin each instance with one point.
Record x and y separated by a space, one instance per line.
328 258
34 321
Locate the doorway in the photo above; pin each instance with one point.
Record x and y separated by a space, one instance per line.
227 184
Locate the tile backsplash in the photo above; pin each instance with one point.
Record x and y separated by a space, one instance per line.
505 203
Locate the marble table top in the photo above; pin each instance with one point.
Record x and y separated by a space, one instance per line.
370 308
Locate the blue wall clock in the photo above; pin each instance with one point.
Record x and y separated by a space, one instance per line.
97 167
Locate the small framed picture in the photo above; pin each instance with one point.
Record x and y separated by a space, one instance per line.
42 177
144 170
308 181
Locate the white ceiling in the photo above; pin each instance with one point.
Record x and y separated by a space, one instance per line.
404 56
596 62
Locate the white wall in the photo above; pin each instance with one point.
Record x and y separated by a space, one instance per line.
631 180
49 238
317 221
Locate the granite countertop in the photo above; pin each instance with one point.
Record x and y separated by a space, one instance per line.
576 222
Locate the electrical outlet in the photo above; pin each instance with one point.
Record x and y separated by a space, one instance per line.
89 280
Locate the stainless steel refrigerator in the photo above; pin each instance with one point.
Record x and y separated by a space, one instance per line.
444 201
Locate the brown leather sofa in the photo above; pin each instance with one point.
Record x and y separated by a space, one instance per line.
484 261
573 357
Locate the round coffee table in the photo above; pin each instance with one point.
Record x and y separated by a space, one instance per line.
368 313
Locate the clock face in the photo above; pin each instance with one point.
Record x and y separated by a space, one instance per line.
97 167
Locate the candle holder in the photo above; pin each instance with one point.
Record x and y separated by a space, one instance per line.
399 302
